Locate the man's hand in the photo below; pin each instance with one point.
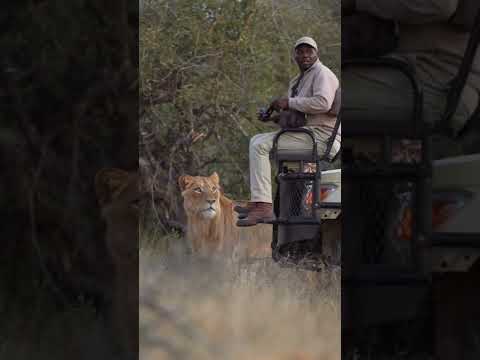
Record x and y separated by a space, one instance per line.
280 104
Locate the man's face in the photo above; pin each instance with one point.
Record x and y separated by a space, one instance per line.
305 56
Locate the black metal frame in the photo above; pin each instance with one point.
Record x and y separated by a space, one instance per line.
458 82
420 173
314 220
315 158
316 177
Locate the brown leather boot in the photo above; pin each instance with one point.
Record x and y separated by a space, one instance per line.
244 209
260 213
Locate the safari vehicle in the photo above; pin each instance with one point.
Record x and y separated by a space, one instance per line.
410 220
307 204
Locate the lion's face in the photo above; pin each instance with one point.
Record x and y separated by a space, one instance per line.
201 195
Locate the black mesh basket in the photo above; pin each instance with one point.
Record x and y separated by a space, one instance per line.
297 197
298 230
388 213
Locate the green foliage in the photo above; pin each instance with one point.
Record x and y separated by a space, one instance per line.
206 67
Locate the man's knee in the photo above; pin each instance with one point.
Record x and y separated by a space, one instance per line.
259 144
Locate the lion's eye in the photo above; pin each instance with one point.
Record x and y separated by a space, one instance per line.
197 190
214 189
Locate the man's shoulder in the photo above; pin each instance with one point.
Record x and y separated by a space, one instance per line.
323 68
324 71
313 71
320 69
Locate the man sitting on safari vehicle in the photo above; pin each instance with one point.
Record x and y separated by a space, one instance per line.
312 93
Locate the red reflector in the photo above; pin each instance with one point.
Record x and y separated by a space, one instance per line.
444 205
324 192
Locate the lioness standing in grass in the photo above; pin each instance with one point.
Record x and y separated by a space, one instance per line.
211 226
118 195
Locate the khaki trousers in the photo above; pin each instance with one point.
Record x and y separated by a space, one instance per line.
259 150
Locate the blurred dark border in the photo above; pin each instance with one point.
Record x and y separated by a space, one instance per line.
410 183
69 107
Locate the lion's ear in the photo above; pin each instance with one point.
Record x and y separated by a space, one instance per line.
184 181
215 178
109 182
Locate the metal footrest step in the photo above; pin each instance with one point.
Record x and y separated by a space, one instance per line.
297 176
330 205
453 252
394 170
455 240
293 221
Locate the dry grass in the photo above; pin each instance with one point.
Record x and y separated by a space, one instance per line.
192 308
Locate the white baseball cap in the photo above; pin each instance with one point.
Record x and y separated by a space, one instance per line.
306 40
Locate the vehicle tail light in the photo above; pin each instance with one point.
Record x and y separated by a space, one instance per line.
325 190
445 204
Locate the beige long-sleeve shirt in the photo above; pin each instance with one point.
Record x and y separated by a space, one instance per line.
315 95
429 41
